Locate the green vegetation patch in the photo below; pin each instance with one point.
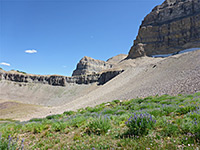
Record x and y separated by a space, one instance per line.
154 122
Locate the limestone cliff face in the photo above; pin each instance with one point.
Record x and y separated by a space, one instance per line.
56 80
88 65
88 71
169 28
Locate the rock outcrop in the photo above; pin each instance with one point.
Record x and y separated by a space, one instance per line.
88 71
57 80
169 28
88 65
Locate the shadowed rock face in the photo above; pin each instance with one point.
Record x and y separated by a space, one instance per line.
56 80
169 28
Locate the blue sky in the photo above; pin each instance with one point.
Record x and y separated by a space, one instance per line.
51 36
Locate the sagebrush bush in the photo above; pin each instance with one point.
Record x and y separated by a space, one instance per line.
99 125
139 124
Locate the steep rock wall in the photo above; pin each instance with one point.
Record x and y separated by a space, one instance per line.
88 65
56 80
169 28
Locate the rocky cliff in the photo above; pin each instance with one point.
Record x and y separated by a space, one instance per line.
169 28
88 71
56 80
88 65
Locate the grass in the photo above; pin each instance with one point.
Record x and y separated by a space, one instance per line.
155 122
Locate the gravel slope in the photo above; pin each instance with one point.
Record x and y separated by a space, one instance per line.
142 77
173 75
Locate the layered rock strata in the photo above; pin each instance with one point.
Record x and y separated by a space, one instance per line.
169 28
88 65
56 80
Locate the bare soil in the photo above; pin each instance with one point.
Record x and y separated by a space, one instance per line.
178 74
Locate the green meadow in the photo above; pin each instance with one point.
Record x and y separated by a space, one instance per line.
155 122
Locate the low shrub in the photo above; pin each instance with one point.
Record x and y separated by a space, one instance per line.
139 124
68 113
58 126
168 109
99 125
77 121
191 126
10 144
109 111
54 116
170 129
156 112
35 127
94 109
185 109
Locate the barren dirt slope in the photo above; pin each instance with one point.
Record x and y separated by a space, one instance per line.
142 77
148 76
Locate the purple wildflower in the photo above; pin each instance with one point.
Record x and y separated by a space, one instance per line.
195 123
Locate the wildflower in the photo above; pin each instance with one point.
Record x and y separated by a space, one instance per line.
22 142
22 146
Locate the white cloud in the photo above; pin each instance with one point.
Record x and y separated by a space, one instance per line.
4 64
31 51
